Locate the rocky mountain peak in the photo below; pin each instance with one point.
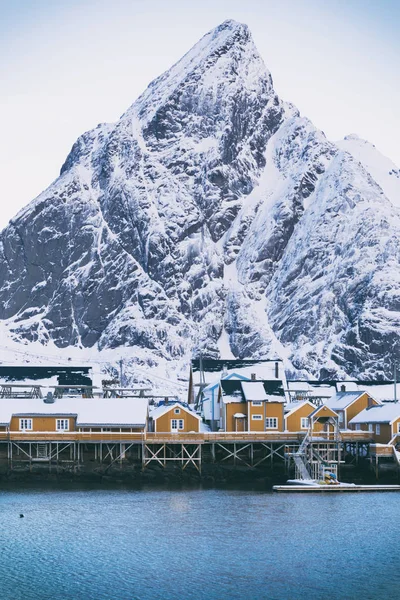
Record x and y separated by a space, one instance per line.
212 217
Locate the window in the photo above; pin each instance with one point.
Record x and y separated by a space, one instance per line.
105 429
177 424
271 423
177 411
25 424
341 417
304 423
62 424
358 427
256 403
256 417
370 427
378 429
398 427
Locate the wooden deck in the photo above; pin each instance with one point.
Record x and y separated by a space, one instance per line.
285 437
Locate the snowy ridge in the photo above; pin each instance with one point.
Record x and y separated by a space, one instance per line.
211 217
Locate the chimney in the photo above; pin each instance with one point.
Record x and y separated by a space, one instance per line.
276 370
166 400
253 377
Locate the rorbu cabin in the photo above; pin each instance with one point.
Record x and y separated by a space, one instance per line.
252 406
349 404
382 420
25 418
297 415
174 418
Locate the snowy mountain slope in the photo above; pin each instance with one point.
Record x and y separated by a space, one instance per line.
210 217
381 168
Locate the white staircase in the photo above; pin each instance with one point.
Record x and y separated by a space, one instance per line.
301 469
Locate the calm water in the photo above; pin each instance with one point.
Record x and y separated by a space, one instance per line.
197 544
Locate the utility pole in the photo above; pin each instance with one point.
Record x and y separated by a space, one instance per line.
395 380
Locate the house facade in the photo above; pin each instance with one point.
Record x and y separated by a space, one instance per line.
252 406
349 404
383 421
174 418
297 415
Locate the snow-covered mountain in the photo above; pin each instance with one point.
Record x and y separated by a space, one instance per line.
212 217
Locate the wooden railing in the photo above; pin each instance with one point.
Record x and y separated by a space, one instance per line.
356 436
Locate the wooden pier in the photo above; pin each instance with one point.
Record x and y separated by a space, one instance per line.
73 450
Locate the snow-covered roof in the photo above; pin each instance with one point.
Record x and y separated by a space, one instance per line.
341 400
239 416
124 412
291 407
236 396
263 369
157 412
349 386
245 391
314 389
298 386
384 413
254 390
321 409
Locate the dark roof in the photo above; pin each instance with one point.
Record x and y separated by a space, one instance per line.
272 387
216 366
65 375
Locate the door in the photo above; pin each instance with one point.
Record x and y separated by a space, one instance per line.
174 425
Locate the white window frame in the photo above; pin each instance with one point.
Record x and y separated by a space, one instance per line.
25 424
378 429
256 417
271 423
370 427
358 426
256 402
181 424
341 417
177 411
174 428
62 424
398 427
304 422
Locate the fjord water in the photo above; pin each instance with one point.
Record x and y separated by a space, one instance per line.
162 544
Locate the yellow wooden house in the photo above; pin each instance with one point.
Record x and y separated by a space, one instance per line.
29 419
252 406
382 421
297 415
349 404
174 417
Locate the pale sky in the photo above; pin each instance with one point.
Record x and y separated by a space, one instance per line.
67 65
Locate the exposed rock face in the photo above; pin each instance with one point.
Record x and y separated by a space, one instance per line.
211 216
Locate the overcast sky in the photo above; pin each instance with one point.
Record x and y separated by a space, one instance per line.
66 65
